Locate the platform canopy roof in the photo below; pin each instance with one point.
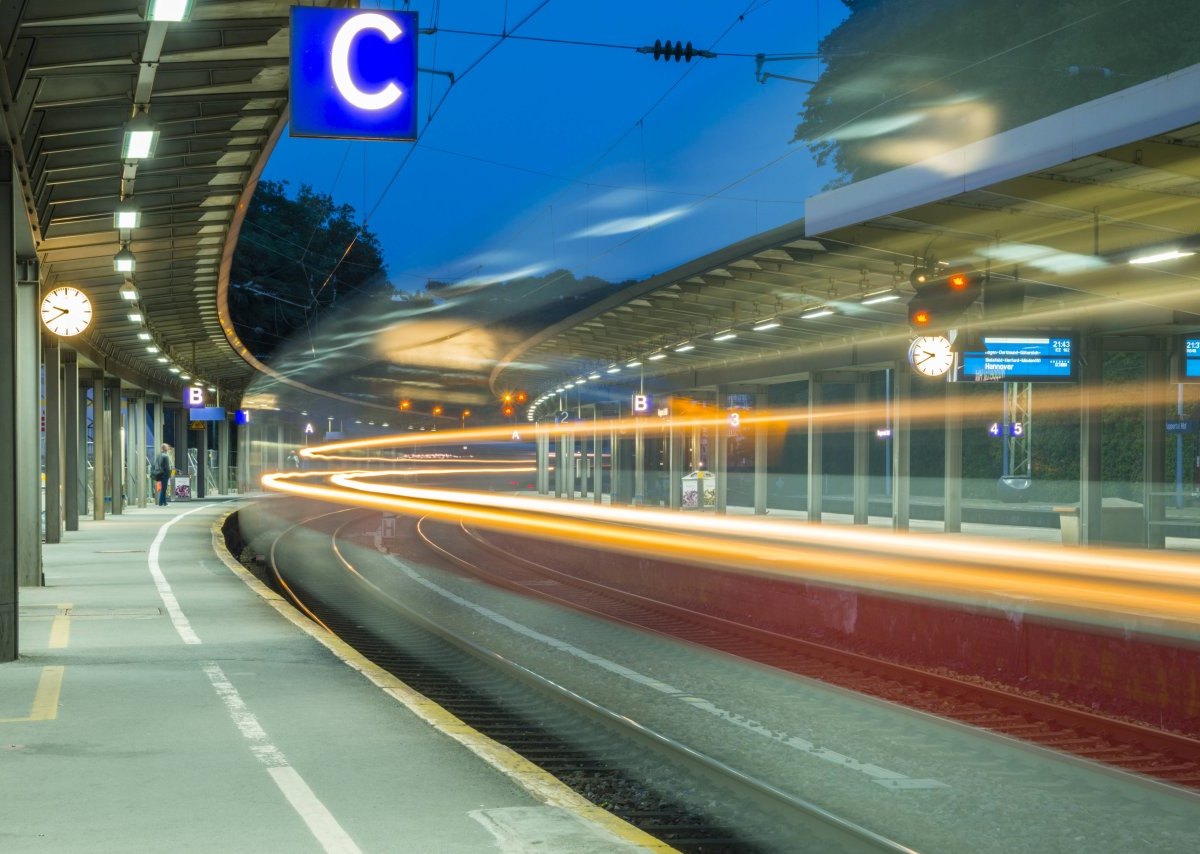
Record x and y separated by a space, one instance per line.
215 89
1055 210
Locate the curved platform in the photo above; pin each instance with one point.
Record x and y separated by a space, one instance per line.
163 703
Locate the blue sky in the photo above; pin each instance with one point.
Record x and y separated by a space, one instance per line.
594 159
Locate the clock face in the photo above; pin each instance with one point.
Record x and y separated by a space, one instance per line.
931 355
66 311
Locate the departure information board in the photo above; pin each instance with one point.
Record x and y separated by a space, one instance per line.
1020 358
1191 359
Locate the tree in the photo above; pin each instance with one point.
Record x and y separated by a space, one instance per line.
906 79
294 259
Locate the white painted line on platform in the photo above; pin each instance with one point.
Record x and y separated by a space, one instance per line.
883 776
164 589
332 837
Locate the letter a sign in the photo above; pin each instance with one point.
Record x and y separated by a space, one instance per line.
354 73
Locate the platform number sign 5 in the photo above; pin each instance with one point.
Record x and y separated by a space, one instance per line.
1015 429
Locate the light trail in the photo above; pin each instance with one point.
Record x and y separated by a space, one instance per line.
1154 593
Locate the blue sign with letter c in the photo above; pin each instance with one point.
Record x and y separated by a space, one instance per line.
353 73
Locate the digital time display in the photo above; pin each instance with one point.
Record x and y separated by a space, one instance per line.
1191 358
1020 358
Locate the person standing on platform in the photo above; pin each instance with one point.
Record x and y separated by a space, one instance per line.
162 473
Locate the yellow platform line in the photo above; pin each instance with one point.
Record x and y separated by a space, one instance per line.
60 629
45 699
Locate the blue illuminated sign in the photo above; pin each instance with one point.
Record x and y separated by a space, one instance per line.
1191 358
207 413
1020 358
354 73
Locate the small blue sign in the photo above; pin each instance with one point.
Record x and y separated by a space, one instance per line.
1191 358
207 413
353 73
1181 426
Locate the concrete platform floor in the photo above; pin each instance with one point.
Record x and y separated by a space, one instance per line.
163 703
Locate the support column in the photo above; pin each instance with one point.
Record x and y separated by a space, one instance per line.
27 436
10 412
598 452
953 491
1091 475
542 437
761 447
117 446
561 471
676 460
901 445
614 465
156 425
85 475
99 449
639 463
279 445
51 358
202 461
139 462
721 449
862 450
71 429
223 456
1154 467
816 449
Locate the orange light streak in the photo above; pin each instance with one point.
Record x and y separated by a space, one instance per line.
1081 585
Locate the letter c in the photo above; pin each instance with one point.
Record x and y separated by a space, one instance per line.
342 43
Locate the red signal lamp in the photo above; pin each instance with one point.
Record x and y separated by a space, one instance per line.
958 281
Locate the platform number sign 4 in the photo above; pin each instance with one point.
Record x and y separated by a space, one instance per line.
1015 429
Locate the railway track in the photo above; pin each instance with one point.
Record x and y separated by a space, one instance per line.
1163 755
607 757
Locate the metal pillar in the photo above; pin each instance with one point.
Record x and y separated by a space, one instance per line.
138 458
952 491
10 412
562 486
614 465
117 446
862 450
901 444
27 435
71 476
721 449
202 461
1090 420
816 449
639 464
761 475
676 458
279 445
243 460
542 437
99 448
598 451
223 456
1154 448
51 359
85 390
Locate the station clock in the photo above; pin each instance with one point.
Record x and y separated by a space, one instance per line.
66 311
931 355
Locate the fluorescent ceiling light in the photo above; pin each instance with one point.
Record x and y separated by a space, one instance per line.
880 296
185 376
135 317
123 261
823 311
140 139
613 370
683 348
173 370
168 10
162 359
128 292
594 376
127 218
144 336
151 348
634 364
728 335
765 325
1170 255
581 381
657 356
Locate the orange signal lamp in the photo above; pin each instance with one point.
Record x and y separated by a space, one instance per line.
405 404
508 397
958 281
921 317
508 411
466 412
437 410
522 397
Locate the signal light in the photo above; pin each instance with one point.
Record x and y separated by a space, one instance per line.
508 397
437 410
405 405
522 397
942 298
508 411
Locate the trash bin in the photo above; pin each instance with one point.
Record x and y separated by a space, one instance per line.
1014 490
699 491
